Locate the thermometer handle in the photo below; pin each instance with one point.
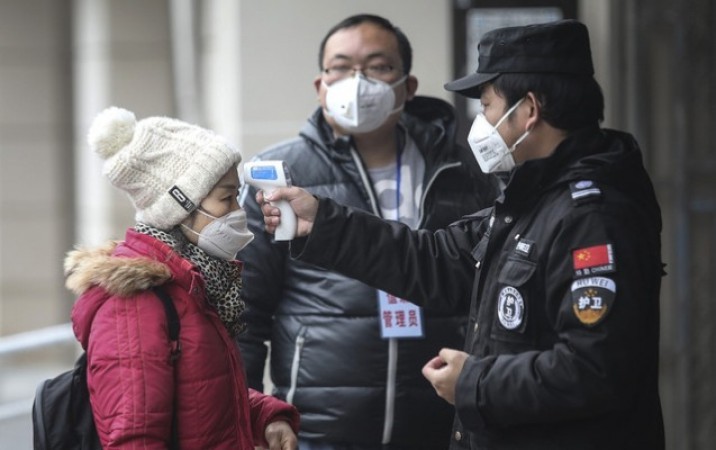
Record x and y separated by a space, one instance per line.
286 230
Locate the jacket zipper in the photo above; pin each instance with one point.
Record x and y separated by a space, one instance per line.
421 211
298 346
390 390
392 343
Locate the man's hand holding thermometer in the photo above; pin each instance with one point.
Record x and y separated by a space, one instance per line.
288 211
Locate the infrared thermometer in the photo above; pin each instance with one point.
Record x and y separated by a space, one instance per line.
267 176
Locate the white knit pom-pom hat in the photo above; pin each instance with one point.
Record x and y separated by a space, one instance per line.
166 166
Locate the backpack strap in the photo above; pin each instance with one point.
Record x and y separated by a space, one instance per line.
172 319
174 327
38 418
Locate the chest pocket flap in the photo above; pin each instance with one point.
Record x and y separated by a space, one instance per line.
516 272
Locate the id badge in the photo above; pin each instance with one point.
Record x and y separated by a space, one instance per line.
399 318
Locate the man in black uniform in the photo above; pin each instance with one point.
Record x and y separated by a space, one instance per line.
562 273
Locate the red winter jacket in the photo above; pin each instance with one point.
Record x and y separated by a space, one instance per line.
133 385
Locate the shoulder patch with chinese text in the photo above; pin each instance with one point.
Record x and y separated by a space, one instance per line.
592 299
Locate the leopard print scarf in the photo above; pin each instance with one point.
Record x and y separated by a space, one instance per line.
222 278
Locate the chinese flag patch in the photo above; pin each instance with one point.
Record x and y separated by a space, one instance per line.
596 256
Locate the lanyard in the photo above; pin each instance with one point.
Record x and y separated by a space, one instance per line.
399 143
397 184
398 318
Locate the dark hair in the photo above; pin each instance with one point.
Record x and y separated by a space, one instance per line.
406 52
568 102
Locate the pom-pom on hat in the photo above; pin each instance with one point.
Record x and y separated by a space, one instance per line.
166 166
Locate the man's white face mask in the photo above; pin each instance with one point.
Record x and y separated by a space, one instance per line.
359 104
490 150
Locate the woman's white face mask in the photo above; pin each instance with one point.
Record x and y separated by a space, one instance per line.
359 104
225 236
488 147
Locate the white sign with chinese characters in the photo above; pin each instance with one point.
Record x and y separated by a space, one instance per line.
399 318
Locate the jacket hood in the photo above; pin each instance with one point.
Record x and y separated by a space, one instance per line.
119 276
608 157
622 167
603 155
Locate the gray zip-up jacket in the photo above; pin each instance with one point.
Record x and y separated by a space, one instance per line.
327 354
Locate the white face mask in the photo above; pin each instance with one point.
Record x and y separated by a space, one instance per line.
225 236
489 148
359 104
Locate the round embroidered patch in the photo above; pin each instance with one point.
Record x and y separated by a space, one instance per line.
592 298
510 308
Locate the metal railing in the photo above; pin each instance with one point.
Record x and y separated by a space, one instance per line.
23 343
36 339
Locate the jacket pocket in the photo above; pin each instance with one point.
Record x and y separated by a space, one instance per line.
296 363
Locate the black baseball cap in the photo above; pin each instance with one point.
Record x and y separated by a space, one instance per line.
560 47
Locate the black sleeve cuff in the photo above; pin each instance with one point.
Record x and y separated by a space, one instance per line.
467 393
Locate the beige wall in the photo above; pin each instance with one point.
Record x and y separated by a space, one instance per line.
122 56
35 161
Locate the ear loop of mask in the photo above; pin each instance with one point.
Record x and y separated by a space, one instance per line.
203 212
393 86
507 114
503 118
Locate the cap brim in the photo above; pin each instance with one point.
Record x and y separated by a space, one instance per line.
470 85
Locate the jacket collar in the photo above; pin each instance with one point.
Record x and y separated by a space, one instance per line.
430 122
531 178
604 156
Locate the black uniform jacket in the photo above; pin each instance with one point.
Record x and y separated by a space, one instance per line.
327 354
562 277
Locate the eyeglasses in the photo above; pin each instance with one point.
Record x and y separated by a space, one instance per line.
340 71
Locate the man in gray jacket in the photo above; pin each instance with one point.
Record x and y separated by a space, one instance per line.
349 356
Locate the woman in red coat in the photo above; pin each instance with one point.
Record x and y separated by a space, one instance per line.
183 182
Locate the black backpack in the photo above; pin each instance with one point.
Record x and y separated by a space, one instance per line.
62 415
